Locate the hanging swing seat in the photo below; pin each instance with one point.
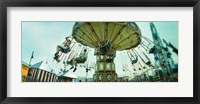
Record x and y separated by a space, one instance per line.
134 60
80 60
152 49
82 57
56 57
148 62
70 62
64 49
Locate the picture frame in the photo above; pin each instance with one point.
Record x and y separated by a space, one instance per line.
98 3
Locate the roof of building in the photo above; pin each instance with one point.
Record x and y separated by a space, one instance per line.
43 66
25 64
68 75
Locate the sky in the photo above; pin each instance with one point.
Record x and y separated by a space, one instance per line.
43 37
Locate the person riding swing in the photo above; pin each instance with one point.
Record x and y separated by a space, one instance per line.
81 59
64 48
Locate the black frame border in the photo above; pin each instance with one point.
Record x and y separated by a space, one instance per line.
99 3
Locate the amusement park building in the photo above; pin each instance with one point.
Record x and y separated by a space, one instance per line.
40 72
25 69
66 77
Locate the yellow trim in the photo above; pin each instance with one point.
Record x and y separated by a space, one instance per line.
25 70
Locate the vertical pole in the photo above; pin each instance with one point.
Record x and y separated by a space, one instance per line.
31 58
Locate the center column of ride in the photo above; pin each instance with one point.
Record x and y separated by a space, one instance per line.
105 67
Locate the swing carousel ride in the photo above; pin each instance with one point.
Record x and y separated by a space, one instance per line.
106 38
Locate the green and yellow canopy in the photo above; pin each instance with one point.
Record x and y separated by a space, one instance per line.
121 35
